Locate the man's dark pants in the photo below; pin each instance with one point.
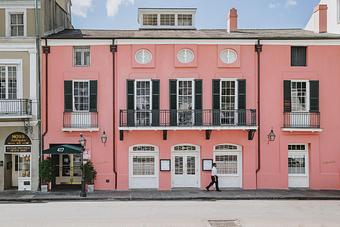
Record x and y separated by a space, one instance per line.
214 180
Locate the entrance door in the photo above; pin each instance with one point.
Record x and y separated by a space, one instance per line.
298 170
15 170
228 159
185 166
69 169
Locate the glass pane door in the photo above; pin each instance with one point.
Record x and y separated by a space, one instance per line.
143 103
185 103
179 165
24 165
228 102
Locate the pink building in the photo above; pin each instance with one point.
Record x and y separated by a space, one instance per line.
253 101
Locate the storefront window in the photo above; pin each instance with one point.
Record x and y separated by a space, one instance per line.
25 165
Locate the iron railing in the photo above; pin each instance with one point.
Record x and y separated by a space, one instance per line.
301 120
80 120
15 107
187 118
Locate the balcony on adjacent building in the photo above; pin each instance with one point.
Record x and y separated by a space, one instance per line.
301 121
187 119
80 121
15 108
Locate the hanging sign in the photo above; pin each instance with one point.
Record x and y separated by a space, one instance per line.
18 138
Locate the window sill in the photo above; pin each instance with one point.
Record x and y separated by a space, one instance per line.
80 129
302 129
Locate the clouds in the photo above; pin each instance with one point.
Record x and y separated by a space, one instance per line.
112 6
291 3
287 4
81 7
274 5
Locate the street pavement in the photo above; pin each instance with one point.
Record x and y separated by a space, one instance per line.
244 213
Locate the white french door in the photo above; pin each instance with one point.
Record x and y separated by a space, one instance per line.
228 102
81 104
300 103
298 168
143 102
185 102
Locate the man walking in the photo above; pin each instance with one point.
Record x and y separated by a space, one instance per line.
214 178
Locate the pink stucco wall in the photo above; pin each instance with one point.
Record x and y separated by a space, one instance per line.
60 68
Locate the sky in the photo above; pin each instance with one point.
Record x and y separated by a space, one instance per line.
122 14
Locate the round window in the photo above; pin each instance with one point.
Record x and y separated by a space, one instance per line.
228 56
185 56
143 56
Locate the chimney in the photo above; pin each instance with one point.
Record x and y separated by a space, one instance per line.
232 20
320 18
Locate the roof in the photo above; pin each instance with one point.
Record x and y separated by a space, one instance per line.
192 34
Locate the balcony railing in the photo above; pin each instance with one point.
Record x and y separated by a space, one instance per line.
80 120
15 107
301 120
188 118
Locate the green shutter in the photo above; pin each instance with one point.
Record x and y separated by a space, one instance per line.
93 95
198 102
314 96
68 96
130 90
173 102
216 89
155 102
287 103
242 113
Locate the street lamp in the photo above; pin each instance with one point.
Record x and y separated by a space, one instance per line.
82 142
271 135
103 137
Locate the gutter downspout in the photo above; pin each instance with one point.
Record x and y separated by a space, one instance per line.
113 49
46 51
258 49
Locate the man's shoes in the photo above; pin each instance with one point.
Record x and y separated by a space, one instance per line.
206 188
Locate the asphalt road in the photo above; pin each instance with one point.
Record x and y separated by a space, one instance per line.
250 213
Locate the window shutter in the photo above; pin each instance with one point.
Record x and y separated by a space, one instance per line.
242 114
314 95
93 96
68 96
198 102
130 90
287 103
216 88
155 102
173 102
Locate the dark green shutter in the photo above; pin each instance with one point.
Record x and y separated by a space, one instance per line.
242 114
93 95
130 92
155 102
314 96
287 102
173 102
198 102
68 97
216 89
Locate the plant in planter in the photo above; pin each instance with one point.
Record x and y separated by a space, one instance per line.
45 173
90 176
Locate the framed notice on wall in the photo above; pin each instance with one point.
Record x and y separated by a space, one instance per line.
207 164
165 165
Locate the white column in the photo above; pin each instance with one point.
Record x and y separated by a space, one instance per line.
33 80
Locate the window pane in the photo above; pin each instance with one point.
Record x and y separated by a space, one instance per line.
184 19
12 82
82 56
226 164
143 103
150 20
81 95
2 82
168 19
143 165
298 56
299 96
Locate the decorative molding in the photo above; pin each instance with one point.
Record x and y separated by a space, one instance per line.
19 4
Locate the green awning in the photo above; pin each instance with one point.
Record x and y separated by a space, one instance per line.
63 149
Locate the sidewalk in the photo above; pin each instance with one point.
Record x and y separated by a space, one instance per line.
178 194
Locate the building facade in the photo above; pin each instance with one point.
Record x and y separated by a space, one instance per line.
19 91
173 99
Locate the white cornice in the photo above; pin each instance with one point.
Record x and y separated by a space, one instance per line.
312 42
18 4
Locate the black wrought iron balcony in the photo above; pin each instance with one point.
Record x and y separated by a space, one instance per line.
188 118
15 107
301 120
80 120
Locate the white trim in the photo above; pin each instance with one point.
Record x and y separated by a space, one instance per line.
238 153
8 13
80 129
17 123
33 80
73 102
201 128
301 129
77 42
307 95
193 97
236 98
291 176
187 41
18 64
18 4
82 50
311 42
135 97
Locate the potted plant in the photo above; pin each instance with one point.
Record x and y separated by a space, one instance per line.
90 176
45 173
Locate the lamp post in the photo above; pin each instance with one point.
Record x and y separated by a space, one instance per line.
82 142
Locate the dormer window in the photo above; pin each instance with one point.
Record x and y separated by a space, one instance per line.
167 18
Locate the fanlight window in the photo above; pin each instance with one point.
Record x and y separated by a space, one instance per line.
224 147
185 148
143 148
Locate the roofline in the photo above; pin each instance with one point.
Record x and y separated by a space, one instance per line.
182 8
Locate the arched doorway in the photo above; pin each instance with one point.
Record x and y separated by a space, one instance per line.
228 159
185 171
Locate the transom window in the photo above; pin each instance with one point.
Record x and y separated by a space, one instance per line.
297 147
81 96
300 96
228 56
185 148
224 147
226 164
150 19
228 101
143 56
8 82
143 148
143 165
143 102
17 25
184 19
168 19
81 56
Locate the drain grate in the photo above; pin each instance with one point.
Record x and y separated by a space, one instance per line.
224 223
